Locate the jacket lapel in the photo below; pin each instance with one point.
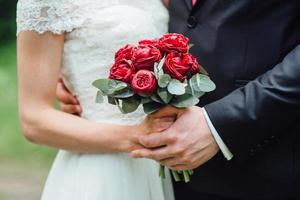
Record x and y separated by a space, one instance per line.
189 4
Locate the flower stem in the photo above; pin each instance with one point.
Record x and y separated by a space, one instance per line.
191 172
162 171
186 176
176 176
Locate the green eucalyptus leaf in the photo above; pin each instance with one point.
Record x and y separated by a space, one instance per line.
158 71
117 102
202 83
155 70
124 93
164 80
176 87
130 104
188 89
193 92
161 63
120 86
184 101
111 100
156 98
146 100
198 94
203 71
99 97
104 86
151 107
164 95
190 46
108 86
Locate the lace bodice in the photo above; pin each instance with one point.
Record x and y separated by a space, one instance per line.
94 30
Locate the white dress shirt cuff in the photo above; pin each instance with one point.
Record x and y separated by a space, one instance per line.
224 149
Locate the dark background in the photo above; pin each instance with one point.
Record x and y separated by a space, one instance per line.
7 20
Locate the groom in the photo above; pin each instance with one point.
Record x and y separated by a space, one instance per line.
244 138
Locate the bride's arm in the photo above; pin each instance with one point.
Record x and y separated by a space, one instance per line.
39 61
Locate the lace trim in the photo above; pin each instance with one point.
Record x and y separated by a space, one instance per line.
56 16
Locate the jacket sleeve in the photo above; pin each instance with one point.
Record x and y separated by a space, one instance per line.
265 109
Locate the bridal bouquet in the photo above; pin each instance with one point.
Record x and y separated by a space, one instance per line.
153 74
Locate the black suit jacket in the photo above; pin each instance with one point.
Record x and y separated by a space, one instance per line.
251 49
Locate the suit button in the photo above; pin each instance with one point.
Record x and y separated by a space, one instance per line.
266 141
252 152
192 22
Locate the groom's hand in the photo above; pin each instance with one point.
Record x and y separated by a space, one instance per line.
67 102
187 144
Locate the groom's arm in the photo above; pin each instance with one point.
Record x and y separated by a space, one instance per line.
223 147
264 109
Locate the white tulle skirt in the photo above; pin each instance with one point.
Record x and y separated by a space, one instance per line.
105 177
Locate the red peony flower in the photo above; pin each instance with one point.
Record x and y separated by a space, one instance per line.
153 42
122 70
181 66
190 61
145 56
174 42
144 83
125 52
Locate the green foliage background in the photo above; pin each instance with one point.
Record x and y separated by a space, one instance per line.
13 146
7 19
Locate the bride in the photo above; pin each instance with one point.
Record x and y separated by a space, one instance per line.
78 38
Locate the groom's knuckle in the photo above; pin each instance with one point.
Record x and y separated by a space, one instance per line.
194 166
172 139
190 160
193 160
186 159
179 150
146 143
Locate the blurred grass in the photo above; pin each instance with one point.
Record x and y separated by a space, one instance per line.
13 146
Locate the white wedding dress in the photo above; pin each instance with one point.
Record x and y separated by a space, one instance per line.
95 29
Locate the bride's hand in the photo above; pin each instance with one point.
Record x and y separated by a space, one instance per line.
168 111
156 122
152 124
160 120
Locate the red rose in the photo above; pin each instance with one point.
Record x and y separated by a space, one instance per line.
173 42
145 56
153 42
125 52
144 83
122 70
181 66
190 61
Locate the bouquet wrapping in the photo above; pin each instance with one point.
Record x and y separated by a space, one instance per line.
155 73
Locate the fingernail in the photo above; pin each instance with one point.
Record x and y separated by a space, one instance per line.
133 155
